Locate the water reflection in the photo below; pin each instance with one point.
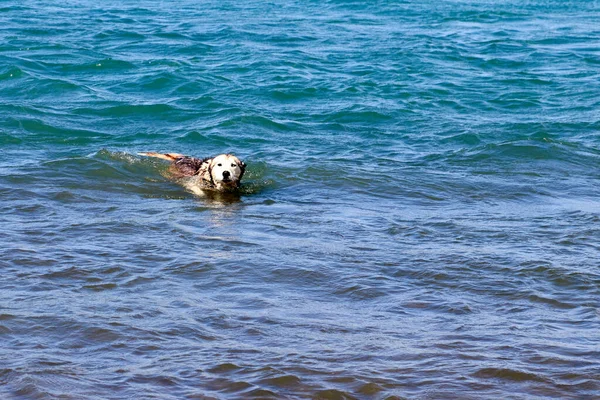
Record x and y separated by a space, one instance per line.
216 198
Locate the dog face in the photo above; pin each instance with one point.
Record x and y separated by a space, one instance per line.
226 171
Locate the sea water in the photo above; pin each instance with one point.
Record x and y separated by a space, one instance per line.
419 219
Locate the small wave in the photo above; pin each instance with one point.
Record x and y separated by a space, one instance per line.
508 374
487 16
302 94
43 86
255 186
224 368
536 150
105 65
84 167
11 73
84 179
353 115
360 292
333 394
282 381
544 299
14 8
563 278
116 34
466 139
50 131
195 50
6 139
268 124
131 110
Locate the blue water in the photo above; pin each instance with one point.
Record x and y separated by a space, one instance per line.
419 218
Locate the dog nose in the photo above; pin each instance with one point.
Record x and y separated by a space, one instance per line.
226 174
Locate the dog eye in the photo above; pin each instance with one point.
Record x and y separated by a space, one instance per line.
219 165
233 165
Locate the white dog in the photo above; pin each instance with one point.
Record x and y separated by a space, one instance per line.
222 173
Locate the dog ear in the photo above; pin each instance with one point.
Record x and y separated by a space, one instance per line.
205 170
242 168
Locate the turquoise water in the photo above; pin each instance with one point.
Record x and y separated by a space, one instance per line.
419 217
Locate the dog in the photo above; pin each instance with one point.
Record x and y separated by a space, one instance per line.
220 173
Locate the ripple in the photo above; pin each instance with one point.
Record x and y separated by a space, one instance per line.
54 133
6 139
418 218
224 368
11 73
137 110
333 394
282 381
360 292
508 374
117 34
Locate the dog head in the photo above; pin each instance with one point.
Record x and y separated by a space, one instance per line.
226 171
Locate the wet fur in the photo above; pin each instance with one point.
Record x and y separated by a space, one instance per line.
221 173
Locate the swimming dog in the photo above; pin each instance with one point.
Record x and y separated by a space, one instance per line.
221 173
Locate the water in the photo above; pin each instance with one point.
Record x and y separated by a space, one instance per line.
419 219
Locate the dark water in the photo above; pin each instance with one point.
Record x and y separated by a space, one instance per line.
420 216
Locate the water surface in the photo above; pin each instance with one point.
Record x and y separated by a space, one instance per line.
419 218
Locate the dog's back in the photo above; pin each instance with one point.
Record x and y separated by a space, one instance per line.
223 172
180 165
